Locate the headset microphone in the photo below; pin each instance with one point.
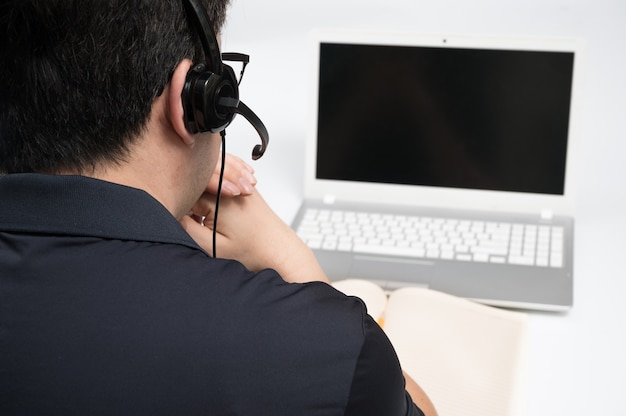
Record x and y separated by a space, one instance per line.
238 107
211 92
252 118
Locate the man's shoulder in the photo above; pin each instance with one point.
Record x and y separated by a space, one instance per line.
257 299
314 303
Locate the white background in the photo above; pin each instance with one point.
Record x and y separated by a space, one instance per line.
577 360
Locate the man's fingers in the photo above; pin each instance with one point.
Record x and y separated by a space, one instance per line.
200 234
238 178
204 206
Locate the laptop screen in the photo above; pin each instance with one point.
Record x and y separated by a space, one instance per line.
483 119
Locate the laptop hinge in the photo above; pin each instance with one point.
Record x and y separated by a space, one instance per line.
328 199
547 214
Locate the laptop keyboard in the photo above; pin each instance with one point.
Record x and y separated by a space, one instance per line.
433 238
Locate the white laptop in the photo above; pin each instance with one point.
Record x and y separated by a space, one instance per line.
444 162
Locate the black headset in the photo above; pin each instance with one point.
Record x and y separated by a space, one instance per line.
211 92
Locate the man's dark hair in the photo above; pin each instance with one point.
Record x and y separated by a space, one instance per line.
78 77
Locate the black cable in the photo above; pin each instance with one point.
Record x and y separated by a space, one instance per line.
219 192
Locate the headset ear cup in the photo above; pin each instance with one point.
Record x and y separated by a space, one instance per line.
189 104
209 100
223 100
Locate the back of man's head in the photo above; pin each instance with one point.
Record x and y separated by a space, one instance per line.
78 77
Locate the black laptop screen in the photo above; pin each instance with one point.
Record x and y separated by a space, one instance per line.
444 117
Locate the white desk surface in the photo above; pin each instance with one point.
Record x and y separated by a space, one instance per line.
577 360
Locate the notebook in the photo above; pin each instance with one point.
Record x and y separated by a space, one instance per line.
453 138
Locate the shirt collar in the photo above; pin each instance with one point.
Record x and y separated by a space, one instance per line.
82 206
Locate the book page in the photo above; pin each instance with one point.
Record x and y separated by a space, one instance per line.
468 357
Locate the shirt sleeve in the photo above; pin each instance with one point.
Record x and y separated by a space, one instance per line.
378 385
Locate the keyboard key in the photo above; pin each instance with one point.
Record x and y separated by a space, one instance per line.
481 257
522 260
385 250
556 260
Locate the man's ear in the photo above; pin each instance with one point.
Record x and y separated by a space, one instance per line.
175 102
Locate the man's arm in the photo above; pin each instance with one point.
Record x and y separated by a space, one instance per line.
379 386
250 232
419 396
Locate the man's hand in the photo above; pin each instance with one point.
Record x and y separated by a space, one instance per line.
238 177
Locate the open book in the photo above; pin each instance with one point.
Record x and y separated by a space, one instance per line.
468 357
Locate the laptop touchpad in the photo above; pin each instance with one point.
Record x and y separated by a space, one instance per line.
391 269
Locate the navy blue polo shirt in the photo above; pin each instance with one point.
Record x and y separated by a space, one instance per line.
108 307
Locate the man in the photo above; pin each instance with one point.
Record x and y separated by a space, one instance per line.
109 300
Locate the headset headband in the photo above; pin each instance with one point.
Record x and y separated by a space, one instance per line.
207 35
